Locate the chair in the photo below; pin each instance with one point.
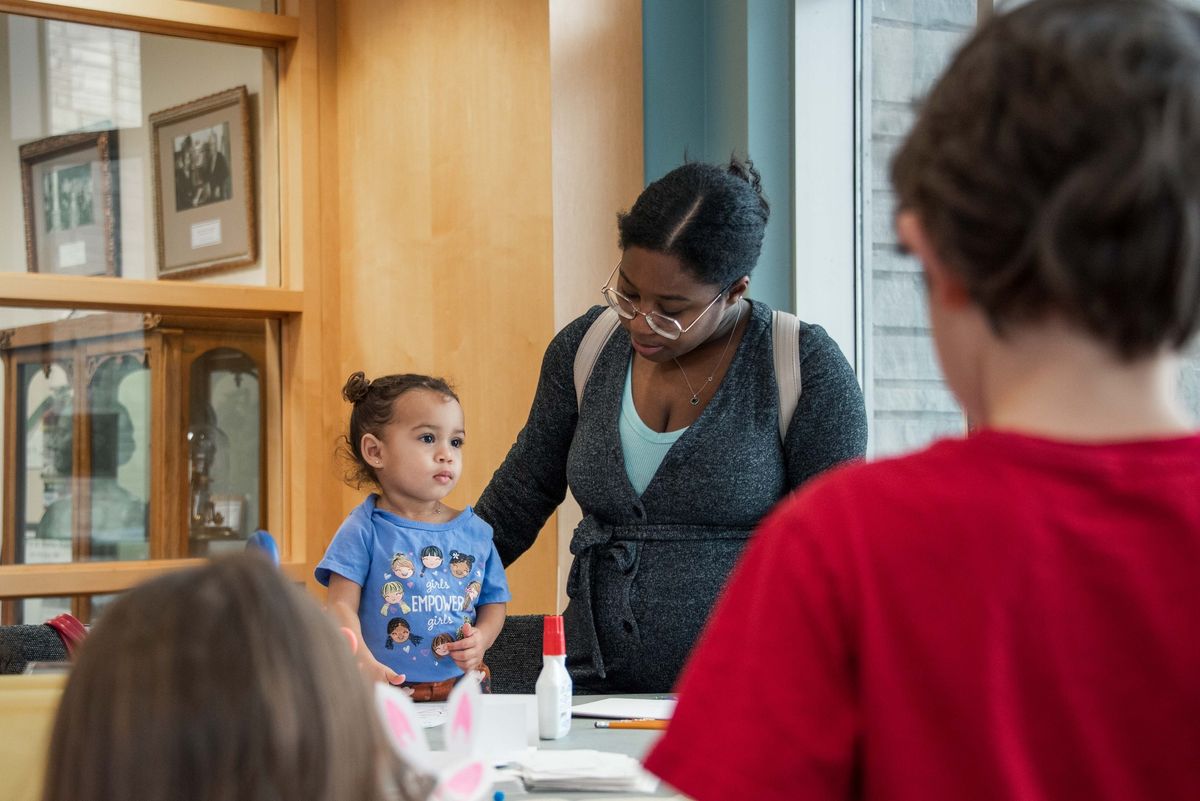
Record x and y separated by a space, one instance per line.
515 659
22 644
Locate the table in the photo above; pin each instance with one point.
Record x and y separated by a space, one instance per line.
584 735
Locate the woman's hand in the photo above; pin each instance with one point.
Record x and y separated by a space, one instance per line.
468 652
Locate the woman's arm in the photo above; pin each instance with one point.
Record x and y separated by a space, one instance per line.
532 481
343 599
830 423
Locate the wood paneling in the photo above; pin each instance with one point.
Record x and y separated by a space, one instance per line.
446 217
483 149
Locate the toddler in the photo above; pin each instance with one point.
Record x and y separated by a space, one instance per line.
388 580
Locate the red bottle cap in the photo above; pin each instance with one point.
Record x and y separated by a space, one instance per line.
554 643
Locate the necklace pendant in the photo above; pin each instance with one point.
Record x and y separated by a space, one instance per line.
695 400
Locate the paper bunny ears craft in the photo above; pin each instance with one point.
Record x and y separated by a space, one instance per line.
459 774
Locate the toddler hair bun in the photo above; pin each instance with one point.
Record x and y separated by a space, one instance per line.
356 387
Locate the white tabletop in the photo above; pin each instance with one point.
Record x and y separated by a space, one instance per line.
584 735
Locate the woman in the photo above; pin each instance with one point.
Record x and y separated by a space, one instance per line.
675 452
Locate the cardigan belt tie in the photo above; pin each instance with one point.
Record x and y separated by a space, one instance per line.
621 543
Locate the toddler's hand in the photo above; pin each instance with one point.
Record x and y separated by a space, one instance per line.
468 652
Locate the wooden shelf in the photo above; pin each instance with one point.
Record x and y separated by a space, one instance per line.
169 18
28 290
82 578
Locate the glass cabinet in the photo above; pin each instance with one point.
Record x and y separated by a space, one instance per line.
86 397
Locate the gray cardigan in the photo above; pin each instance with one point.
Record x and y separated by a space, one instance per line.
647 569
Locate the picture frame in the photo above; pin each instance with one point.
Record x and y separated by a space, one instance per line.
203 176
69 191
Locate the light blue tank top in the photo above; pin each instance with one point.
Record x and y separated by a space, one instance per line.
643 446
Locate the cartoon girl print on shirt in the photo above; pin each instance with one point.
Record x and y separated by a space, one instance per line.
441 645
402 566
399 632
393 595
471 594
460 564
431 558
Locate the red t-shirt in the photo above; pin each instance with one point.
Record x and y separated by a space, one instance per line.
1000 617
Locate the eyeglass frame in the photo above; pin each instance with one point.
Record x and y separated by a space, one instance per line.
607 288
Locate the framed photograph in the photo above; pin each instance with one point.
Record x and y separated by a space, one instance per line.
204 185
69 191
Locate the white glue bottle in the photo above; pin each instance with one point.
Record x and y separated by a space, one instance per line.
554 683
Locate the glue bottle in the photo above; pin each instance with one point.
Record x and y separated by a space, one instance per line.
554 683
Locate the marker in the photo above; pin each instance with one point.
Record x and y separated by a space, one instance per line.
635 723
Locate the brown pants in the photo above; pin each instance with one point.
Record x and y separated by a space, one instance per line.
440 690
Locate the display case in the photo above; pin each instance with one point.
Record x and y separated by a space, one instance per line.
85 398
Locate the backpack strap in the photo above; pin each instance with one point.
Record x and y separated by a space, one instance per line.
785 337
593 342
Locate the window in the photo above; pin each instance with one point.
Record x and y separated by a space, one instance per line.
905 46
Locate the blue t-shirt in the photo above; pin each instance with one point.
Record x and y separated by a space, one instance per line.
420 582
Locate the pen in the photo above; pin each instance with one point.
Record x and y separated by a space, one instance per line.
636 723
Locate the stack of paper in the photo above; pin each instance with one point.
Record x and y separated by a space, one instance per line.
594 771
631 708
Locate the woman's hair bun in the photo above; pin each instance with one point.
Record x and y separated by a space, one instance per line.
744 168
356 387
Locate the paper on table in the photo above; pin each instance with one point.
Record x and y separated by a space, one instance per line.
431 715
597 771
621 708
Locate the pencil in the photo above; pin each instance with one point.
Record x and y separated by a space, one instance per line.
636 723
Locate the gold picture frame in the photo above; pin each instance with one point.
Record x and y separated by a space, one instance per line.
69 192
204 202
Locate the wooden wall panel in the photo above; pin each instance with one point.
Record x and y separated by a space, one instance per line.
445 218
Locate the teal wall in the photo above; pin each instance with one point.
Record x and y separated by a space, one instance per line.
718 79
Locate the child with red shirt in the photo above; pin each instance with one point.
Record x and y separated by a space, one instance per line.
1011 615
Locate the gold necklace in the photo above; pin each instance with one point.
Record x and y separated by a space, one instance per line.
696 392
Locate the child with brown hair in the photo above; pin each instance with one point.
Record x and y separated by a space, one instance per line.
221 681
1009 615
406 440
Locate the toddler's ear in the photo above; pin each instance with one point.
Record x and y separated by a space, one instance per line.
462 714
463 781
399 718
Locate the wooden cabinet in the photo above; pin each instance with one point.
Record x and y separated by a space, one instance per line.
131 436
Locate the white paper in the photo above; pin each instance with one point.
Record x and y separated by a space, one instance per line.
431 715
72 254
206 234
584 770
622 708
507 725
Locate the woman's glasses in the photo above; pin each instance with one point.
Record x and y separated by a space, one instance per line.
666 327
